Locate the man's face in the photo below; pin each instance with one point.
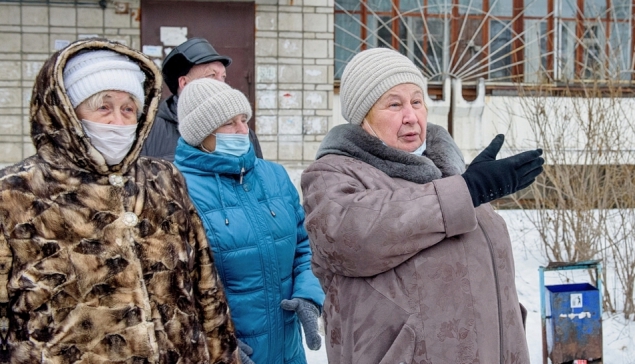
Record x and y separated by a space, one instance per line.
214 70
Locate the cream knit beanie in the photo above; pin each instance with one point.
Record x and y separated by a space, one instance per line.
206 104
91 72
369 75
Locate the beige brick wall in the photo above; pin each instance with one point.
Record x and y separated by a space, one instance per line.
29 34
294 75
294 69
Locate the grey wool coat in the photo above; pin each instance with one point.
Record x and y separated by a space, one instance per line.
103 264
413 273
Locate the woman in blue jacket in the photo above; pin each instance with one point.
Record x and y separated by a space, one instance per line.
254 224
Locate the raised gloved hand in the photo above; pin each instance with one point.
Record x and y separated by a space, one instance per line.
245 352
308 314
488 179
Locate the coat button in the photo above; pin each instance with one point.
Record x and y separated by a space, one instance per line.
116 180
130 219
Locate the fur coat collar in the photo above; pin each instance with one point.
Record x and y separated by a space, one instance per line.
442 157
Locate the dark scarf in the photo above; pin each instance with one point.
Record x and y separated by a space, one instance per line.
442 157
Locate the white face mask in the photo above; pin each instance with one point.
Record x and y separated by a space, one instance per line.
419 151
112 141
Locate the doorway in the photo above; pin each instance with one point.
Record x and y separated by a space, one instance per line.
228 26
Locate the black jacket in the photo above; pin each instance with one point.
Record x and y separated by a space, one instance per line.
161 142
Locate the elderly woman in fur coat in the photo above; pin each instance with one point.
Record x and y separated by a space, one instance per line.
103 258
416 265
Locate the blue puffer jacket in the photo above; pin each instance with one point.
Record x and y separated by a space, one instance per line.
255 226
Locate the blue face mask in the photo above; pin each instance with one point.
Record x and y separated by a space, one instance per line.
234 144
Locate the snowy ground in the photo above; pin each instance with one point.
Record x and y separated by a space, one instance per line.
618 334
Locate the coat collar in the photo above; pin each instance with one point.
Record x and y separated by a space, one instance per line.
168 109
442 157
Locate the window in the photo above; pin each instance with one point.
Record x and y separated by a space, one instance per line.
502 41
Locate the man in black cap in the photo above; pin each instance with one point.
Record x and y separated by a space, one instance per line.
191 60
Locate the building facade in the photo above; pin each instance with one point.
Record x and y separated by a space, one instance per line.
477 56
293 66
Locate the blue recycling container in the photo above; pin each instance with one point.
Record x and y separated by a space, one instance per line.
574 322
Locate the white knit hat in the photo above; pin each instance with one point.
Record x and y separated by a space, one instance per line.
369 75
205 105
91 72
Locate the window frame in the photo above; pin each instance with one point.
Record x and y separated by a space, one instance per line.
550 62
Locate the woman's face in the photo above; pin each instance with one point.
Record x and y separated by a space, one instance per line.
399 118
235 125
116 108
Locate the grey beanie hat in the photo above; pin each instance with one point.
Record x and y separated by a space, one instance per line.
206 104
369 75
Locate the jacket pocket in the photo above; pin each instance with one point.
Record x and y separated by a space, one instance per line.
292 339
402 349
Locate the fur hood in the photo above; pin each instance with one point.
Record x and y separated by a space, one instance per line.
57 132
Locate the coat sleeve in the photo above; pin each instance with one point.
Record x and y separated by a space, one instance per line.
305 284
6 261
210 294
360 231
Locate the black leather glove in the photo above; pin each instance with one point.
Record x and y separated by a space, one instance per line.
245 351
488 179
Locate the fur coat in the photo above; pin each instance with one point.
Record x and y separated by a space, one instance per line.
412 272
98 263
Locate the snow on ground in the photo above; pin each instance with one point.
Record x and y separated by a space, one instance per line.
618 333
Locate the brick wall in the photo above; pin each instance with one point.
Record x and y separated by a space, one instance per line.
29 34
294 69
294 75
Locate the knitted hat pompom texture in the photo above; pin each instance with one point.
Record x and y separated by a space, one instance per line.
369 75
91 72
205 105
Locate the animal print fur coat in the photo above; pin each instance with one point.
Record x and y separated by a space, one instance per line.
103 264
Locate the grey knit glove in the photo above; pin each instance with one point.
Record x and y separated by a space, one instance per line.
245 351
308 314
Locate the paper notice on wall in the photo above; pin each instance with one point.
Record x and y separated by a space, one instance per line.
173 36
152 50
61 43
576 300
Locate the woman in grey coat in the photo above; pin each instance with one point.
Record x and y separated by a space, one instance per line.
416 265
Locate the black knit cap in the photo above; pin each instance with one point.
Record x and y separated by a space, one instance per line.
185 56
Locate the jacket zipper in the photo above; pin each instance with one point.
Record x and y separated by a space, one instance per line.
263 249
498 295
